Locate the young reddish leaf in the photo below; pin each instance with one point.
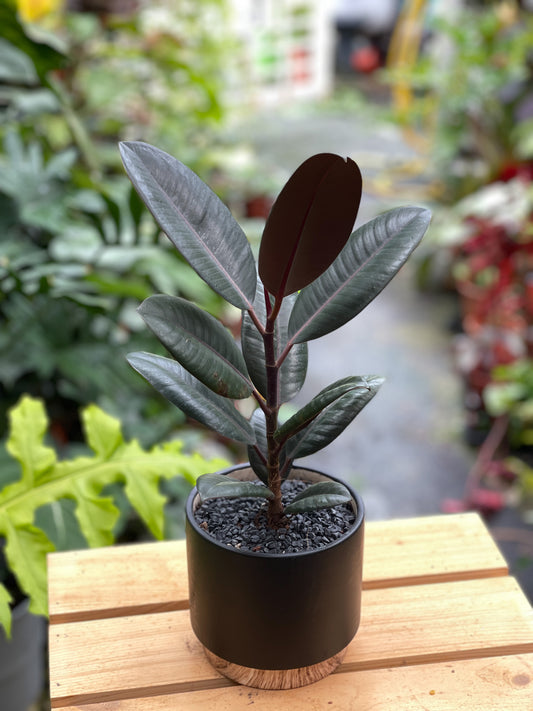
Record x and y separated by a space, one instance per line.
309 223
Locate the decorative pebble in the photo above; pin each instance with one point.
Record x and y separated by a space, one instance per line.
241 523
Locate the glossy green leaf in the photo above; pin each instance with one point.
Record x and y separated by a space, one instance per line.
199 342
195 220
309 223
294 368
182 389
364 388
331 421
214 486
321 495
372 256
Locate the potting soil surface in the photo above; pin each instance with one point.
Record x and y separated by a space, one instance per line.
241 523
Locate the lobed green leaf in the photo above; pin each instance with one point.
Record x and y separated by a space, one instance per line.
25 443
26 550
5 610
45 480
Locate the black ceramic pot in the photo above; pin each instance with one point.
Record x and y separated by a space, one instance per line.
282 612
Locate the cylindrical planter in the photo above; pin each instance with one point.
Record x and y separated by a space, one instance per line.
275 620
22 660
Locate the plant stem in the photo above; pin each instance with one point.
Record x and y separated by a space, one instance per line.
275 506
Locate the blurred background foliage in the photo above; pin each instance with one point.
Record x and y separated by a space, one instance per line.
470 91
466 103
78 252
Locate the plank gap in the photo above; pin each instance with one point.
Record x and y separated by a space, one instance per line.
141 692
436 578
60 618
460 655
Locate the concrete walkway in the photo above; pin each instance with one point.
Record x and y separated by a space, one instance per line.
404 452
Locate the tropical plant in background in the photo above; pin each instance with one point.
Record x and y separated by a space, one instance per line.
92 78
77 247
74 263
313 276
474 106
32 477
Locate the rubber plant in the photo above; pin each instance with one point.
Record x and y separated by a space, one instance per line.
314 274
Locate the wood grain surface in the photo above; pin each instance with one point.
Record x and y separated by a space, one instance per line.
443 627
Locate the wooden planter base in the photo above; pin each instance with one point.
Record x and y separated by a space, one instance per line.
275 678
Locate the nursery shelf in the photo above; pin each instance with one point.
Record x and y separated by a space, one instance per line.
444 627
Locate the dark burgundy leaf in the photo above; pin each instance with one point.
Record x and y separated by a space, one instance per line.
309 223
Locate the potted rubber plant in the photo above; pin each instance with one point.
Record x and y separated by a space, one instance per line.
274 550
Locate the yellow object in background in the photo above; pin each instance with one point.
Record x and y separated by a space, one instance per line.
35 10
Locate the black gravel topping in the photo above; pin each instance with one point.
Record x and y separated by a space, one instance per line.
241 523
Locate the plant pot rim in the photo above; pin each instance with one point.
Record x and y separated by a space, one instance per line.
356 500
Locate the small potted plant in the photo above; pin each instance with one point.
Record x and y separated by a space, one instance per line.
274 550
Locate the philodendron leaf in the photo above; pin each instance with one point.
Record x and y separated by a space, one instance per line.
309 223
372 256
26 550
190 395
199 342
195 220
214 486
5 610
332 420
44 480
321 495
293 369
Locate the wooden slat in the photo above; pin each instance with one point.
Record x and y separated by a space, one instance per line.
440 622
430 549
397 553
105 582
157 654
491 684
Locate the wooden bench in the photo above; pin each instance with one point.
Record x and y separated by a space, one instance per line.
443 627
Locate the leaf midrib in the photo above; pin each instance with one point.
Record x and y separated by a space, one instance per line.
99 470
201 243
189 333
320 310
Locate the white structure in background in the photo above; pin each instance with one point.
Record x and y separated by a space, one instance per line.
287 50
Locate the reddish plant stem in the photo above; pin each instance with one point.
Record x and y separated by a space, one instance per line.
275 506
